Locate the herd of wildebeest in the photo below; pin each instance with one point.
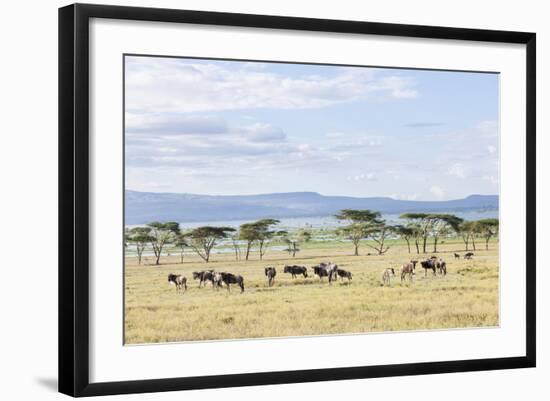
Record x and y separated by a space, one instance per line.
329 270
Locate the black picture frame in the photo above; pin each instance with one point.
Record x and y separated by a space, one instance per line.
74 198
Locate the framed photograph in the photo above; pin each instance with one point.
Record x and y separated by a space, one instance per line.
251 199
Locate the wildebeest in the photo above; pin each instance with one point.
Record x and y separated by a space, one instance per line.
386 276
178 280
216 280
326 270
295 270
270 273
204 276
441 267
429 264
468 255
229 278
457 256
408 269
344 273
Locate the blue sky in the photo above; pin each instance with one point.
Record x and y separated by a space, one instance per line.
229 127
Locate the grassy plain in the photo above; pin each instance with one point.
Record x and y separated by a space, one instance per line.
467 297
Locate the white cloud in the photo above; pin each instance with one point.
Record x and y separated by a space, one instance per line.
437 191
457 170
261 132
491 149
174 124
183 86
362 177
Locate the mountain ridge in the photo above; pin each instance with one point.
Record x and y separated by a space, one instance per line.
144 207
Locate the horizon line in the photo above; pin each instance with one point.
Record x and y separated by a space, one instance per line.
310 192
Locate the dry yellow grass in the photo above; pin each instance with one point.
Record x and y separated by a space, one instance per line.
467 297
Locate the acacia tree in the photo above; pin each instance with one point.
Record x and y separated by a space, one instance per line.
293 247
362 223
378 233
487 228
417 235
160 235
405 233
181 243
235 241
203 239
266 234
441 224
139 236
465 230
422 222
248 233
293 244
304 235
470 229
259 231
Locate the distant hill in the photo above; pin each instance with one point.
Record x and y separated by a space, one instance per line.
144 207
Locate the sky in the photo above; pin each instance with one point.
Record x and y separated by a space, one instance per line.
232 128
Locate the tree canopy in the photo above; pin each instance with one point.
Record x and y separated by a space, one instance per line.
364 223
139 236
203 239
260 232
432 224
487 228
160 235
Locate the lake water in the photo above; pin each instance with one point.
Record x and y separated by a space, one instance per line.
329 222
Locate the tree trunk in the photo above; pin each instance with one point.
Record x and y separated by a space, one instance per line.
408 245
417 246
181 256
139 253
467 242
435 244
424 240
487 243
473 243
261 250
356 249
247 250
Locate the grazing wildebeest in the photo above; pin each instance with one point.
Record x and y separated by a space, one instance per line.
320 271
344 273
386 276
270 273
468 255
229 278
457 256
429 264
326 270
204 276
216 280
295 270
408 269
179 281
441 267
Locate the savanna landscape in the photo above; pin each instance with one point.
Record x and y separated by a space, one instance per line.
280 199
467 296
